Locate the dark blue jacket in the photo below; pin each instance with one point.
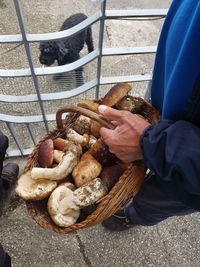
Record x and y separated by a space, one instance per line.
172 147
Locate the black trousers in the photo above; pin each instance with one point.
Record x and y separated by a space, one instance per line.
3 148
5 260
153 205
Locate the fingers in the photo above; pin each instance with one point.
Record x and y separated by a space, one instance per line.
115 123
110 113
105 133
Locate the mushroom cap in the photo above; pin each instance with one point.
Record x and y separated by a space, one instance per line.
60 143
111 174
116 93
101 153
29 189
86 170
45 153
82 124
61 207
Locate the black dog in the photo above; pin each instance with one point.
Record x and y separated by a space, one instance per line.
67 50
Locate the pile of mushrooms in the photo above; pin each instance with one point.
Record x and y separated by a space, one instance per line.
76 170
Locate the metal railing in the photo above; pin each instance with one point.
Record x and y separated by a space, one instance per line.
26 39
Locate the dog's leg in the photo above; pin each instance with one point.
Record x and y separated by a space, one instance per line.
89 40
79 77
58 76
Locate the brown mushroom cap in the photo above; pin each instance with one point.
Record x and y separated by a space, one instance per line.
45 154
82 125
137 105
86 170
115 94
60 143
111 174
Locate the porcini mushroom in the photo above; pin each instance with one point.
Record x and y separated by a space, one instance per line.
65 202
101 153
64 168
29 189
83 140
72 135
45 153
115 94
63 213
60 143
111 174
137 105
86 170
82 124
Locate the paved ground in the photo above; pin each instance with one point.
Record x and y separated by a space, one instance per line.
173 243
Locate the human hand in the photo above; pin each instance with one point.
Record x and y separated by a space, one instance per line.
124 140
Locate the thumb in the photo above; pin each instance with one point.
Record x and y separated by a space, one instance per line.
110 113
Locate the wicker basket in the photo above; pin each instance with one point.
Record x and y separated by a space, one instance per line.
127 186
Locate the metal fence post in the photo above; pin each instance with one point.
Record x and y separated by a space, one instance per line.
101 38
30 60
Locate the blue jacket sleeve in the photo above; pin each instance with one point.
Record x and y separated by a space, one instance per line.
172 151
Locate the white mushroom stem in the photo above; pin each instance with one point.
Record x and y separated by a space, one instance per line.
72 135
92 140
90 193
58 155
64 168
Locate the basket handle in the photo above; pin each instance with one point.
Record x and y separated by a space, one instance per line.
82 111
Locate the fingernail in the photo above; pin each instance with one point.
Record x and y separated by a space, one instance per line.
102 108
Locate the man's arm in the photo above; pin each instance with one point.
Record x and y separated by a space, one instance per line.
172 151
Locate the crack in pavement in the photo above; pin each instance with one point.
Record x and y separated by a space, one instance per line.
82 250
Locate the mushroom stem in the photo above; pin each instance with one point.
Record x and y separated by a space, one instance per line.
64 168
83 140
90 193
58 155
72 135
